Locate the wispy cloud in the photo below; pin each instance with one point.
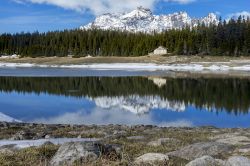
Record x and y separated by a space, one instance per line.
181 1
98 7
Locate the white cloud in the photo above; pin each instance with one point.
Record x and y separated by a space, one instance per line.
244 14
102 116
98 7
181 1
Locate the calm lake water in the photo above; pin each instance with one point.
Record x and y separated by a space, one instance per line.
128 100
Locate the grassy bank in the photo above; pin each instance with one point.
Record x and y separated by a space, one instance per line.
135 140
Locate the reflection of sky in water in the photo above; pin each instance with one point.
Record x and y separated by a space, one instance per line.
60 109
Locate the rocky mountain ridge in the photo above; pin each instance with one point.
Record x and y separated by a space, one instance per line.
143 20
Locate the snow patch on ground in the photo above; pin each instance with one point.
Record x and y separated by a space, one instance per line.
28 143
9 56
138 66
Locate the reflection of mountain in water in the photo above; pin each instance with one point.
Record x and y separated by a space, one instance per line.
230 94
138 104
6 118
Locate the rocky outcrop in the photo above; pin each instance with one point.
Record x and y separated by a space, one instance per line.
84 152
197 150
143 20
68 153
210 161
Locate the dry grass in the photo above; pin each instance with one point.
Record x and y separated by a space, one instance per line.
29 157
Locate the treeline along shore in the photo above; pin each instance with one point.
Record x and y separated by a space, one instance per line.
230 38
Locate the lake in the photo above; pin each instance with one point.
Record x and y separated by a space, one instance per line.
134 98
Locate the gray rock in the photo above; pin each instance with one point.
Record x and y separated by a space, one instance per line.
68 153
162 141
120 133
206 161
151 158
47 137
84 152
197 150
238 161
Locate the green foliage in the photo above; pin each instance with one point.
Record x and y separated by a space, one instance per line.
228 38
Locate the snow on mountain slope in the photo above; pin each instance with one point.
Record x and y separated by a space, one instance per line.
6 118
138 104
142 20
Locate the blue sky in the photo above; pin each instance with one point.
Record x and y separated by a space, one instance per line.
49 15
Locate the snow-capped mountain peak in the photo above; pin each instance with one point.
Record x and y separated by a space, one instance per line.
138 104
210 19
143 20
140 12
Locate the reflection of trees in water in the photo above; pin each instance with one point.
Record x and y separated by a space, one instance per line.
232 94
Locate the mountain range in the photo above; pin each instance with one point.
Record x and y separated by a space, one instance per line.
143 20
138 104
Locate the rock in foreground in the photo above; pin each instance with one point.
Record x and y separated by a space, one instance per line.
238 161
68 153
197 150
151 158
206 161
84 152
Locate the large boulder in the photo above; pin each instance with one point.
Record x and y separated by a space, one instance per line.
206 161
197 150
238 161
84 152
70 152
151 158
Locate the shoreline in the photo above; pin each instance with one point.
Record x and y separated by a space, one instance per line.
194 64
156 59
